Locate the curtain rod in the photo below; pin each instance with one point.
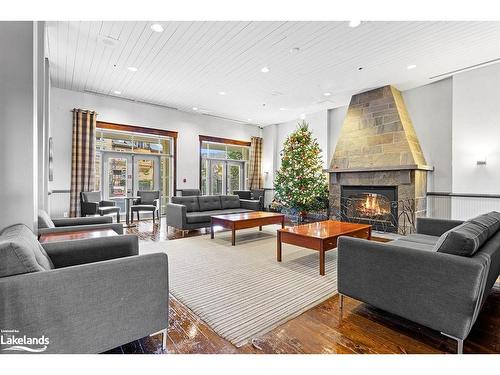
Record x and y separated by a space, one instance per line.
83 110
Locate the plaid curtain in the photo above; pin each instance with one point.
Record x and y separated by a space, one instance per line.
254 165
82 157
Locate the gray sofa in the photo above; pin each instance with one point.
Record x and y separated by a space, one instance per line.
193 212
48 225
83 296
439 277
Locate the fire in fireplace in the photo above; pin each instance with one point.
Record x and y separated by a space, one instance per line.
376 205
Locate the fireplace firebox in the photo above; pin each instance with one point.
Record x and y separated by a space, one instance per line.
375 205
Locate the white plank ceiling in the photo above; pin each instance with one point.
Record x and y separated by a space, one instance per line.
189 63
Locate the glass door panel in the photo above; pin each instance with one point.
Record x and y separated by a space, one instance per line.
116 177
217 186
146 173
234 177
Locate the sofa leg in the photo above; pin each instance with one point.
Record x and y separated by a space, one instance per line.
341 305
460 343
164 340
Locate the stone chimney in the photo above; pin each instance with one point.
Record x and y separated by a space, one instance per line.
377 132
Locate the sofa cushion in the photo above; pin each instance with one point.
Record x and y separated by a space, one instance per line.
495 214
148 197
44 220
411 245
20 252
243 194
191 202
230 201
489 221
420 238
209 202
463 240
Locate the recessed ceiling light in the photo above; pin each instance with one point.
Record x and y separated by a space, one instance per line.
354 23
222 93
410 67
295 50
117 92
249 119
265 69
303 116
132 68
156 27
282 109
327 94
360 68
195 108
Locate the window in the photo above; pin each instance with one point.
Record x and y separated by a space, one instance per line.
130 158
223 165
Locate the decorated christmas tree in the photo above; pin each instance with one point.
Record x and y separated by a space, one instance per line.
300 183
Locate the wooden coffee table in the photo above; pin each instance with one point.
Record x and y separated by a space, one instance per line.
76 235
245 220
321 236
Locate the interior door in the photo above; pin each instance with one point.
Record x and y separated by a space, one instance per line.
117 177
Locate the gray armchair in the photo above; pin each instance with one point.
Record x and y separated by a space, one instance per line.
92 204
82 296
253 195
149 200
48 225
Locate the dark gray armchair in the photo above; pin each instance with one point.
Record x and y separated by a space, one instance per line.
149 200
92 204
49 225
253 194
83 296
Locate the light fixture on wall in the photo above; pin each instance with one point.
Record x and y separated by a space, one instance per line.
303 116
481 161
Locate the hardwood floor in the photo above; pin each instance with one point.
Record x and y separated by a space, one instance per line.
362 328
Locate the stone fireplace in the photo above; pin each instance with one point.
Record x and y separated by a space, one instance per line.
378 173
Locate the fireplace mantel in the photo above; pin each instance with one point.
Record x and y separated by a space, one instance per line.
419 167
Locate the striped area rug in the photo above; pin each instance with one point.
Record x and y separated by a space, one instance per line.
242 292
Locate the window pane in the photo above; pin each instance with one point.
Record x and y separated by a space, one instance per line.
147 145
115 142
246 152
217 151
167 146
117 177
204 150
145 174
97 171
204 182
165 182
235 152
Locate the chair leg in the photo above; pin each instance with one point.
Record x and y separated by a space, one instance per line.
164 340
138 218
460 343
118 217
153 217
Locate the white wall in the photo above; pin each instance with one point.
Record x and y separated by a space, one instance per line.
18 133
430 109
476 130
109 109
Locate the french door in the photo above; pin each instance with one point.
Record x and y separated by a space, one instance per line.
223 177
124 174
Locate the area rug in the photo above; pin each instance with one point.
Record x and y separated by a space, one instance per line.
241 291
